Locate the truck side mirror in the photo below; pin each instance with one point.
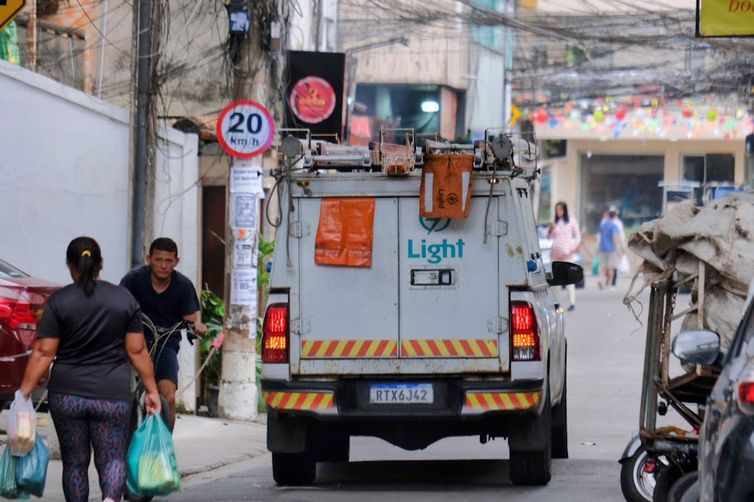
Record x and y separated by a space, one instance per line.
697 347
565 273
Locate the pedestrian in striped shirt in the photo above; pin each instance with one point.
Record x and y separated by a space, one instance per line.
566 239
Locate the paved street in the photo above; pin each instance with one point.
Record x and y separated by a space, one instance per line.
364 167
604 371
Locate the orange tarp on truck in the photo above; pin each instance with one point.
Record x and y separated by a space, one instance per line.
345 232
446 186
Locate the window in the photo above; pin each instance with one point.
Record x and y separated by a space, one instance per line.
488 36
418 107
553 148
628 182
695 56
702 169
545 195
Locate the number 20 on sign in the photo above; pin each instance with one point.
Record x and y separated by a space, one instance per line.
245 129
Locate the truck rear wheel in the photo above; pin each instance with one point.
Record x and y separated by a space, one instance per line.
560 424
332 446
532 466
294 469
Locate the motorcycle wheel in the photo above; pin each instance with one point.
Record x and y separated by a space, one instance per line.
636 483
666 478
683 486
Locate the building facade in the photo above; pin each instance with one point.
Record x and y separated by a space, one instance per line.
430 68
631 110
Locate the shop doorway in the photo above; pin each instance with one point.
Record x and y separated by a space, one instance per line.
631 183
213 239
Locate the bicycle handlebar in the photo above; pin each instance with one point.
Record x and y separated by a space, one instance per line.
160 332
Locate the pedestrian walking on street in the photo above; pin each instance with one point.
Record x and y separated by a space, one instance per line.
566 239
92 329
622 232
610 249
166 297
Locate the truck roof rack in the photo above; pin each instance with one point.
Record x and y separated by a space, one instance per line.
400 151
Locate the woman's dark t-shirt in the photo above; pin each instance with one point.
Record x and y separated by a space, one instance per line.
91 359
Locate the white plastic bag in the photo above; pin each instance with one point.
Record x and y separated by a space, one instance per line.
623 265
22 426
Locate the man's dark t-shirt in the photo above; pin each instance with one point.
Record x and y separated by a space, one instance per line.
91 359
165 309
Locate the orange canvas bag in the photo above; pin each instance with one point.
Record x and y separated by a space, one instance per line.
345 232
446 186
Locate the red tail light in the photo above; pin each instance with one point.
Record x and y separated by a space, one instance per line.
746 396
19 316
524 333
275 334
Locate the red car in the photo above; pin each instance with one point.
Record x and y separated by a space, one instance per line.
21 300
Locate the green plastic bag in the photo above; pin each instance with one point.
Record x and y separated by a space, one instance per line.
596 266
9 50
31 469
9 489
152 468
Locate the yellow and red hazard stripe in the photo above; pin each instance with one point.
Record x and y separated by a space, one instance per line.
481 401
449 348
303 401
339 349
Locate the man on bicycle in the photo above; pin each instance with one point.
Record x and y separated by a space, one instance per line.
166 297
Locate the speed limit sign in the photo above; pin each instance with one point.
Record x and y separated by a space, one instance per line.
245 129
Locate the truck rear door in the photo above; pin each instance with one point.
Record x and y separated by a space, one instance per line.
348 316
432 302
450 294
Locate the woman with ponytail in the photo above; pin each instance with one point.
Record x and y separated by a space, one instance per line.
92 329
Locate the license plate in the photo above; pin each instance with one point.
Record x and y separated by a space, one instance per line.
403 393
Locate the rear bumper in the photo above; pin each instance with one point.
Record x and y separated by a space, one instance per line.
453 398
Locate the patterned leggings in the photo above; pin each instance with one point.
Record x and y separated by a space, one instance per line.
81 424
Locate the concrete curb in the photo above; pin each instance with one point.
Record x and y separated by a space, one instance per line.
217 465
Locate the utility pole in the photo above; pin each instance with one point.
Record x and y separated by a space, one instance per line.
142 66
32 36
318 24
256 77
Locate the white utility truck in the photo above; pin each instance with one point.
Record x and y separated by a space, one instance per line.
383 322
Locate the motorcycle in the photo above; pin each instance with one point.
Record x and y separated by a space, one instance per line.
659 464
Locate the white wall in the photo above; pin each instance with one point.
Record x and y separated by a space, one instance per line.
302 25
484 99
177 215
65 172
437 53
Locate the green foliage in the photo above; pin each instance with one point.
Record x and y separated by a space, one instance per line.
213 313
266 250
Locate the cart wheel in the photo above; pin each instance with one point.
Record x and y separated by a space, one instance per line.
666 477
683 486
637 476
